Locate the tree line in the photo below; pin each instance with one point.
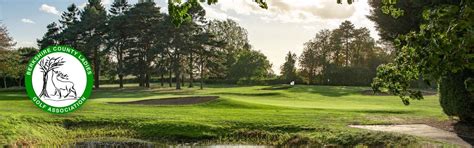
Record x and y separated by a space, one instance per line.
344 56
141 41
12 62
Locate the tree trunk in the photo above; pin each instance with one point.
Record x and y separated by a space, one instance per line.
120 67
147 68
182 80
178 79
20 81
140 80
178 71
44 92
202 76
5 82
347 52
147 79
162 79
191 77
96 68
120 81
171 78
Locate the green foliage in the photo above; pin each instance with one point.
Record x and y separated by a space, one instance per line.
343 56
390 8
7 66
229 40
428 52
288 69
439 51
51 36
13 64
455 99
250 65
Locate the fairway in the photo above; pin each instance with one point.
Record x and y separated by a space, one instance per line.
257 115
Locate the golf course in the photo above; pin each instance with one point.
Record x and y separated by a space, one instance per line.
256 115
237 73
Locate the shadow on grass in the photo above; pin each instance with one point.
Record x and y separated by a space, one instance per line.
330 91
250 94
384 111
13 95
278 87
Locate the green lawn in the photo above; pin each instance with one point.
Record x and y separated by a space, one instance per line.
299 115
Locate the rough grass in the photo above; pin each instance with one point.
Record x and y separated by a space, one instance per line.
316 115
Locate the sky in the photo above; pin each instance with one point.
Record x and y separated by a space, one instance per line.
285 26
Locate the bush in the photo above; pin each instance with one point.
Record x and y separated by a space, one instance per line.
455 99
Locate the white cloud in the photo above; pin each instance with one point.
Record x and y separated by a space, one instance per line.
49 9
81 6
28 21
24 44
106 2
290 11
307 27
212 13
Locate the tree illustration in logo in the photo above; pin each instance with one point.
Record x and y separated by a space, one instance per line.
48 65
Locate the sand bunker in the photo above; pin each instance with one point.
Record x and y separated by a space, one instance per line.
421 130
172 101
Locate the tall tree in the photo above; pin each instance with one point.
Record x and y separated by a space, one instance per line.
69 17
6 43
91 28
69 30
250 65
145 28
288 69
343 56
345 33
233 39
316 55
118 35
51 37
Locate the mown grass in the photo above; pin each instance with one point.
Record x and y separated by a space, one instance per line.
243 114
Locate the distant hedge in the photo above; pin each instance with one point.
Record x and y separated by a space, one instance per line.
455 99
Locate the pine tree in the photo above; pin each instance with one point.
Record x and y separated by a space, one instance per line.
288 69
51 37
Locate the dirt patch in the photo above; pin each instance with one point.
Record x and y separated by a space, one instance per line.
371 93
173 101
421 130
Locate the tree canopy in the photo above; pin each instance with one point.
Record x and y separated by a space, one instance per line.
440 50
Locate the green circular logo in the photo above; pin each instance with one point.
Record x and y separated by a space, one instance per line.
59 79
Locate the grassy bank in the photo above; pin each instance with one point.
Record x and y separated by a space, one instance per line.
257 115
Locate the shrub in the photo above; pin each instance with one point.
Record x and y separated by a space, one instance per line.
455 99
